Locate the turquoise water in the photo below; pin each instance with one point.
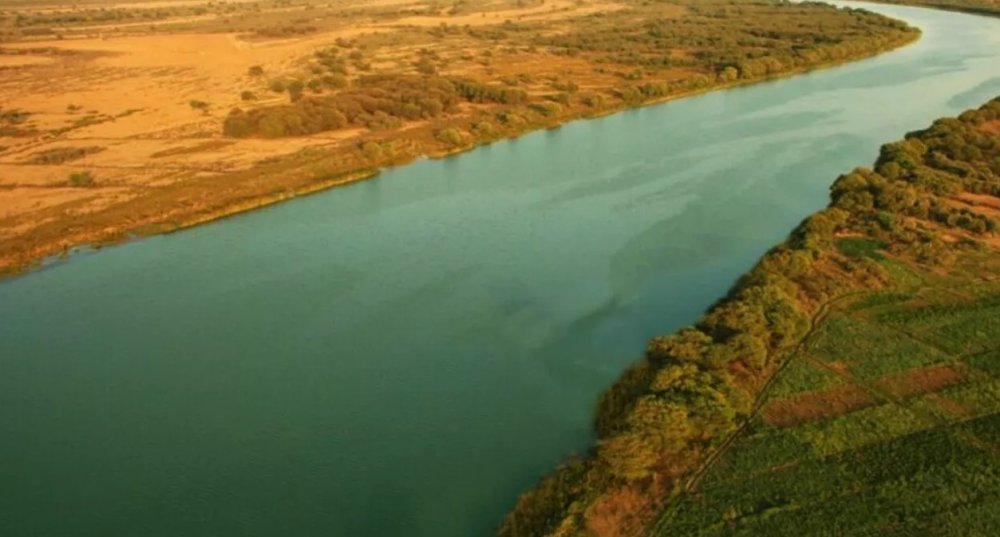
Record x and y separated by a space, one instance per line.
404 355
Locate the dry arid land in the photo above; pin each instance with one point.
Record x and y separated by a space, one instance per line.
121 120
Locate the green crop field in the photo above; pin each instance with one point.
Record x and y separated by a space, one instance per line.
885 423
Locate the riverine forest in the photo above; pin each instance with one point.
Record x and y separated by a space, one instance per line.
520 268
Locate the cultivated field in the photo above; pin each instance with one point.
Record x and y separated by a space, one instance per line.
141 117
886 422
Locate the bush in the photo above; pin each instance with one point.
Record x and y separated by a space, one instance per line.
59 155
248 96
278 86
426 66
81 179
450 136
295 90
255 70
335 81
199 105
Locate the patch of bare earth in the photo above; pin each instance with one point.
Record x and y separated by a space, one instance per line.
951 406
813 406
921 381
992 127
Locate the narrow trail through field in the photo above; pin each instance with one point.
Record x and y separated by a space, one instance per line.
817 319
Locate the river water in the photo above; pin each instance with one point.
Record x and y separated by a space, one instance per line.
404 355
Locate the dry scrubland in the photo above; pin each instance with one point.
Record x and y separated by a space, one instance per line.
121 119
848 385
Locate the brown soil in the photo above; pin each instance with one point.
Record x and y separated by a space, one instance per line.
981 203
813 406
992 127
951 406
920 381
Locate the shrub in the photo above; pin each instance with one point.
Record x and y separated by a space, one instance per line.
81 179
247 95
255 70
484 129
199 105
426 66
371 150
59 155
295 90
335 81
450 136
277 86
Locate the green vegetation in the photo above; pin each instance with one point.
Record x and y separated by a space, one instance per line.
642 53
12 122
199 105
59 155
827 393
81 179
920 461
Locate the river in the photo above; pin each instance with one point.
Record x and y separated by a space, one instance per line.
402 356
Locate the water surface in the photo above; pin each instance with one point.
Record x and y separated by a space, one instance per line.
403 355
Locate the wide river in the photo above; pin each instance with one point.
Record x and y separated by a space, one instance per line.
404 355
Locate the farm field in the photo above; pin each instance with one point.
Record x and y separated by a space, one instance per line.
886 422
135 118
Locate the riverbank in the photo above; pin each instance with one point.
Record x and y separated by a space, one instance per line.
118 206
926 212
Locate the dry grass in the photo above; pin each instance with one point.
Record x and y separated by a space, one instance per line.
127 86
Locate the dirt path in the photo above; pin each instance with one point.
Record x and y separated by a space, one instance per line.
817 319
